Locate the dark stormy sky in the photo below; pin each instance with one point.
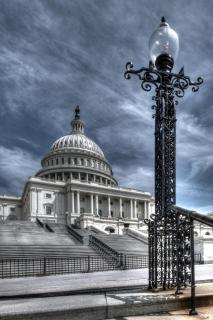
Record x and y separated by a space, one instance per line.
55 54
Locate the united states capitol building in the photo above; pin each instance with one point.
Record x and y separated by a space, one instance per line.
76 185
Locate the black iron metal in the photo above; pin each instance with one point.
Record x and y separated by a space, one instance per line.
208 220
169 237
44 266
188 253
193 311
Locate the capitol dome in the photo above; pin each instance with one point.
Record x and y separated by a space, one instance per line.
75 156
77 141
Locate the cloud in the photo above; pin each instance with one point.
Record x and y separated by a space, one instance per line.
55 55
15 167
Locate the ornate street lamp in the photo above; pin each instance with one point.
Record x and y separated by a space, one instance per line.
168 233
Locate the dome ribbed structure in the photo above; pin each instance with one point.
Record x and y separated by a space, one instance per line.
78 142
76 155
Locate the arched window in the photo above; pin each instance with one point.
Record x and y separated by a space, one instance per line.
207 234
195 233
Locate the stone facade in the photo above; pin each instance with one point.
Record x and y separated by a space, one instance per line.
76 185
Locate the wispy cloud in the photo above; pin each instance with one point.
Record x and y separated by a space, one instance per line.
54 55
15 167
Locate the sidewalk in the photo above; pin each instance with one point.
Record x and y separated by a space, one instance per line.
85 282
204 313
73 283
97 296
105 306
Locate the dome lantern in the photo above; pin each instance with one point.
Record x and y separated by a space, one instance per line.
77 124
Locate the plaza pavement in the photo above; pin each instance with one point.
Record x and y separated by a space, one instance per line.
85 282
204 313
97 296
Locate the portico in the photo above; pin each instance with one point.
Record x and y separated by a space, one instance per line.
98 203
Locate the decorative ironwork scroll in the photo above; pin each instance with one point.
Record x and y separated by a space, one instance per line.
169 245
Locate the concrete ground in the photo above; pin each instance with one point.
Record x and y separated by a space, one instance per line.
108 306
204 313
85 282
100 295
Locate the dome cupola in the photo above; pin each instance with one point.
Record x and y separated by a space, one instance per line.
77 140
75 156
77 124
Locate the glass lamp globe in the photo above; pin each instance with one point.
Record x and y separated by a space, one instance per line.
164 41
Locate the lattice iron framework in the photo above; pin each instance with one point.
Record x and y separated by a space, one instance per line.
169 233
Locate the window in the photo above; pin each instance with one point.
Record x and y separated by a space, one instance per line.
82 210
48 210
207 233
62 160
48 195
52 162
100 201
111 203
12 209
69 161
82 162
112 213
57 161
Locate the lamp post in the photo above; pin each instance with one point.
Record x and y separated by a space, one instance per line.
168 235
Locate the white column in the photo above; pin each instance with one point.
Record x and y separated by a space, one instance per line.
87 177
68 195
131 209
144 209
55 176
78 202
109 207
96 203
63 177
79 176
135 209
91 204
73 201
148 209
120 207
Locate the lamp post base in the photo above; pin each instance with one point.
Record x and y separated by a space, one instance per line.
193 312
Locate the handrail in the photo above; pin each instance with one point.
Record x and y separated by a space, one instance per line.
94 242
75 234
194 215
48 227
40 223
